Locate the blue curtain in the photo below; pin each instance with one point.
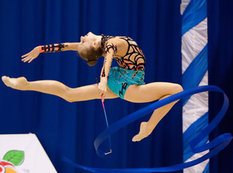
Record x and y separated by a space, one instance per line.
220 74
69 129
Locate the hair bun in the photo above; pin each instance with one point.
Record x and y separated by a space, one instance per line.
92 62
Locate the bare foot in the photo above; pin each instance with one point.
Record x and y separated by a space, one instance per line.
143 132
16 83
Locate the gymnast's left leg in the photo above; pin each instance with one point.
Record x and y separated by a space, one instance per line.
147 93
84 93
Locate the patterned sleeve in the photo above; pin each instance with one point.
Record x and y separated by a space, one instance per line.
118 45
110 46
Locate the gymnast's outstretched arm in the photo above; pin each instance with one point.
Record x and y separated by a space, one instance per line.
34 53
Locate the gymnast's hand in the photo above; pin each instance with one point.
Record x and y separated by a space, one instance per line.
31 55
102 87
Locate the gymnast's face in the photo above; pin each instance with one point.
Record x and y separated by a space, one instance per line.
88 41
89 48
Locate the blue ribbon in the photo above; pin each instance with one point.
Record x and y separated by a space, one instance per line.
216 145
193 130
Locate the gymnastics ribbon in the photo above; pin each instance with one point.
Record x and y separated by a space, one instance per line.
215 146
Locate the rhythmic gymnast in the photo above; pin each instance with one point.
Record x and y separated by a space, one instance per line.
125 81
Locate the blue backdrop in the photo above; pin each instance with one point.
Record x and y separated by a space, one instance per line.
69 129
220 74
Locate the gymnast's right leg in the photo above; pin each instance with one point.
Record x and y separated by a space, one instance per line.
89 92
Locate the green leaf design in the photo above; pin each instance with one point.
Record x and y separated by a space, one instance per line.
16 157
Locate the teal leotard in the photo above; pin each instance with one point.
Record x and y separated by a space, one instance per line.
132 64
120 79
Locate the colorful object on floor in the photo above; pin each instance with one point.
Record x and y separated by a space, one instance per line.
10 160
23 153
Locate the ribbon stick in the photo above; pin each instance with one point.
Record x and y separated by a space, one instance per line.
106 120
215 146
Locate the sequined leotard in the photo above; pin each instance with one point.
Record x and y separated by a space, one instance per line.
127 53
131 61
